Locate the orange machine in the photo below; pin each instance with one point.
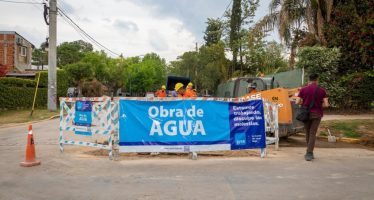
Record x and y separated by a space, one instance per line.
279 96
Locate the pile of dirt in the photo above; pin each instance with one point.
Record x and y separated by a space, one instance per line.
201 155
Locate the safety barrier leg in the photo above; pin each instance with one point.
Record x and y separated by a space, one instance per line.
193 155
61 138
276 139
263 152
276 133
110 149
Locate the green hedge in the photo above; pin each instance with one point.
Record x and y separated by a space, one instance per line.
17 82
359 91
21 97
17 93
62 81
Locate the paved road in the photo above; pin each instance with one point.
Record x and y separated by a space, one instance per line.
336 173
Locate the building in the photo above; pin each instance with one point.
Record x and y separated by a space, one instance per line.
15 51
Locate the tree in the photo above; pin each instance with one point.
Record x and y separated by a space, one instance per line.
79 72
144 75
351 30
213 32
40 56
72 52
264 57
241 15
213 67
206 68
98 61
187 65
297 20
324 61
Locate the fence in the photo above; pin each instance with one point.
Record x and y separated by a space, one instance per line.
105 120
99 119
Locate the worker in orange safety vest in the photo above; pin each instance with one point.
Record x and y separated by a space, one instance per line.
162 92
189 91
179 89
251 90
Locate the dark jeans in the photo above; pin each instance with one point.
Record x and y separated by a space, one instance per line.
311 127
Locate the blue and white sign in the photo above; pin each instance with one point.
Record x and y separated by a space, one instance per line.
83 118
190 125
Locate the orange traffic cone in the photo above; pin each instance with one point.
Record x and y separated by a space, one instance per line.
30 151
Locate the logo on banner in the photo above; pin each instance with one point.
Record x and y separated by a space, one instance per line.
240 139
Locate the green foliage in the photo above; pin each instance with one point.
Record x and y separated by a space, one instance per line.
240 16
348 129
17 82
262 56
40 56
214 70
351 30
323 133
359 89
72 52
62 81
213 32
78 72
21 97
324 61
146 74
206 68
18 93
43 81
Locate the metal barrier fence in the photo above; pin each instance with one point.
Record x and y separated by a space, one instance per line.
105 121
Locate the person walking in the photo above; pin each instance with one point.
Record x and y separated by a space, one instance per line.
162 92
315 98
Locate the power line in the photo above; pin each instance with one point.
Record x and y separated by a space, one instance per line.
227 7
63 14
34 4
20 2
75 28
60 4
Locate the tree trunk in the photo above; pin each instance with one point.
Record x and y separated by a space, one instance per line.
241 59
291 61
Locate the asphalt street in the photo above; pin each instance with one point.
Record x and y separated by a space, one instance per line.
336 173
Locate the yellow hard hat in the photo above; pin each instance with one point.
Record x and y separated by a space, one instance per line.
190 84
178 86
163 87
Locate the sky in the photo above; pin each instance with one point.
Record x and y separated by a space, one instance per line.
128 27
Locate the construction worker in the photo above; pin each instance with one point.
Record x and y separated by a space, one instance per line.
189 91
251 90
162 92
179 89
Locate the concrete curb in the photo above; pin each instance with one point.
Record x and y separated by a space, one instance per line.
342 139
27 123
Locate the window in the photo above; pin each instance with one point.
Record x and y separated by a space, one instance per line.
23 51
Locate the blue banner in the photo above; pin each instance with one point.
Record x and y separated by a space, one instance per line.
83 118
190 125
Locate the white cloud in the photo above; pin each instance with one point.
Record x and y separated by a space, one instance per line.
131 27
123 26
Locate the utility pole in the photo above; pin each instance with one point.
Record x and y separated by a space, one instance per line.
52 54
